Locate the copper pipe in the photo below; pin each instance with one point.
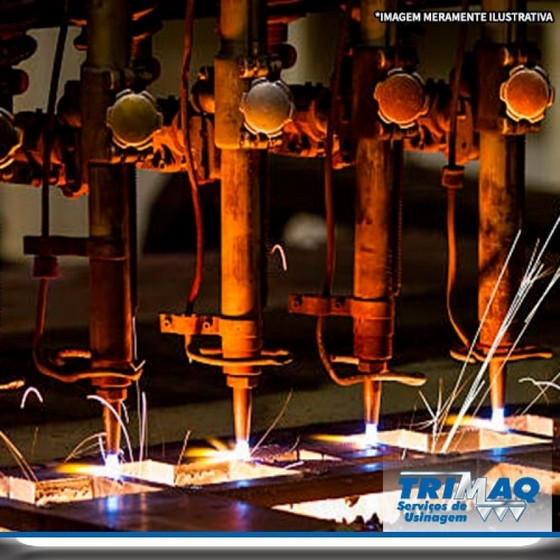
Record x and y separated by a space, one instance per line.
191 171
377 218
241 265
501 208
242 29
376 255
501 192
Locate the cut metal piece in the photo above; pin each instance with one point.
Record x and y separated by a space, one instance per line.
466 440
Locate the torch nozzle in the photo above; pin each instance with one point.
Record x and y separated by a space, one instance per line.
112 429
497 374
372 402
242 403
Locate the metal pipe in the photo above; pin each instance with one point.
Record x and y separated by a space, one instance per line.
377 221
110 224
501 192
243 34
501 208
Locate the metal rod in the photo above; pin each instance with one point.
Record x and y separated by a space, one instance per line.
110 190
501 207
377 227
501 191
242 29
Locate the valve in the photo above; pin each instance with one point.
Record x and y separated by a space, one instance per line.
134 118
401 98
527 94
267 107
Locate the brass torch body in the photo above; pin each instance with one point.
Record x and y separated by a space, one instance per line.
501 189
242 31
377 216
111 195
376 256
500 219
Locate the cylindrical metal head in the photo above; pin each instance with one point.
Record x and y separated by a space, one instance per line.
401 98
527 94
267 107
134 119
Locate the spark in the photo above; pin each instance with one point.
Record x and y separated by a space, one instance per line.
219 452
81 445
12 385
359 440
539 384
18 456
434 415
527 321
118 418
125 413
280 250
455 392
294 465
275 421
143 426
28 391
183 449
533 273
34 442
543 385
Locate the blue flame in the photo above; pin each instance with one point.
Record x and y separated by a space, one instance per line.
370 435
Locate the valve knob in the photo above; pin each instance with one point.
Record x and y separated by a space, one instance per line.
527 94
401 98
267 107
10 138
134 119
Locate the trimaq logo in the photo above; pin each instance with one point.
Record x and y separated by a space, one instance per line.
443 497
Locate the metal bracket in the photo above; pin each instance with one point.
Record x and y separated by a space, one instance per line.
479 354
209 325
318 306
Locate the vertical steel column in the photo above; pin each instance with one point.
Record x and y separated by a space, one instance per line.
110 189
377 218
242 32
501 206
